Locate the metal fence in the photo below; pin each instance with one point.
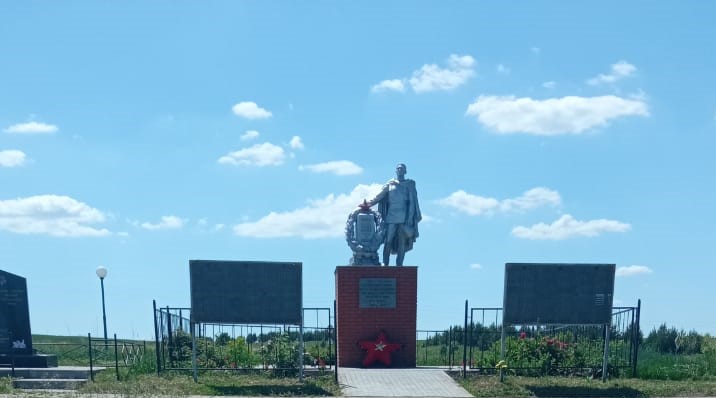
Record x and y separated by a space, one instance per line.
532 350
553 349
244 347
96 352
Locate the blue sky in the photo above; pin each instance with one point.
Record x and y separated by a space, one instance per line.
139 135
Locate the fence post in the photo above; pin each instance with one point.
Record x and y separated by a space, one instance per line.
169 335
464 346
636 338
116 357
605 364
156 336
192 326
335 339
89 345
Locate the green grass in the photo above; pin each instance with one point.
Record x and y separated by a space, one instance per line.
657 366
213 383
516 386
5 385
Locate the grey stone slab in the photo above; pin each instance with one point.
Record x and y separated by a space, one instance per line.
15 332
566 294
259 292
398 383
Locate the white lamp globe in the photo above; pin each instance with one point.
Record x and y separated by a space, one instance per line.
101 272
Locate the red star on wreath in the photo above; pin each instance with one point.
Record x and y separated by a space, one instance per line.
378 350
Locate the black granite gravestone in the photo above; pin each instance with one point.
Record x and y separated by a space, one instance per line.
15 335
14 315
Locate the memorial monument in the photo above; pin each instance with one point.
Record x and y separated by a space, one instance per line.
398 204
15 335
376 306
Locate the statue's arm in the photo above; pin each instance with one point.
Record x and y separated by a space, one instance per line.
379 196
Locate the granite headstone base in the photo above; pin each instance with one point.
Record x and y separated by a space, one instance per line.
29 361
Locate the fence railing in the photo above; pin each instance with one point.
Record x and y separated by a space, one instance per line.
96 352
532 350
244 347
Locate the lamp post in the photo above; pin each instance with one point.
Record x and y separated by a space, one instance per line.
101 273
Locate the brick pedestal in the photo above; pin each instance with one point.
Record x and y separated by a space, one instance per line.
356 322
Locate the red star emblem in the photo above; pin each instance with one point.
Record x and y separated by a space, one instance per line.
378 350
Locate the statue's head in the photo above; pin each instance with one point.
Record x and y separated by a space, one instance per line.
400 169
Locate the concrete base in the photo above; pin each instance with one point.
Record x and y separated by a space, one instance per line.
30 361
59 378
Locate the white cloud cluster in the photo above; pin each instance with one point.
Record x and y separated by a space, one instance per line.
337 167
12 158
568 227
431 77
475 205
52 215
31 128
296 142
249 135
259 155
549 84
166 222
567 115
388 85
633 270
476 266
321 218
250 110
619 71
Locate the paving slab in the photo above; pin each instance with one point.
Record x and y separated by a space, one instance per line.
398 383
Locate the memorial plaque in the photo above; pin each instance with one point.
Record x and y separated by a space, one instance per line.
564 294
365 227
14 315
251 292
376 293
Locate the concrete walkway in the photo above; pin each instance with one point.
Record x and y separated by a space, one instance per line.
398 383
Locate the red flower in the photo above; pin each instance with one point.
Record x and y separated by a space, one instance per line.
523 335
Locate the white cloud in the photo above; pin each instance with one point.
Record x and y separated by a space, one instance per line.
535 50
52 215
321 218
388 85
12 158
337 167
567 115
478 205
431 77
167 222
250 110
476 266
619 71
249 135
568 227
633 270
31 128
296 142
260 155
503 70
550 84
